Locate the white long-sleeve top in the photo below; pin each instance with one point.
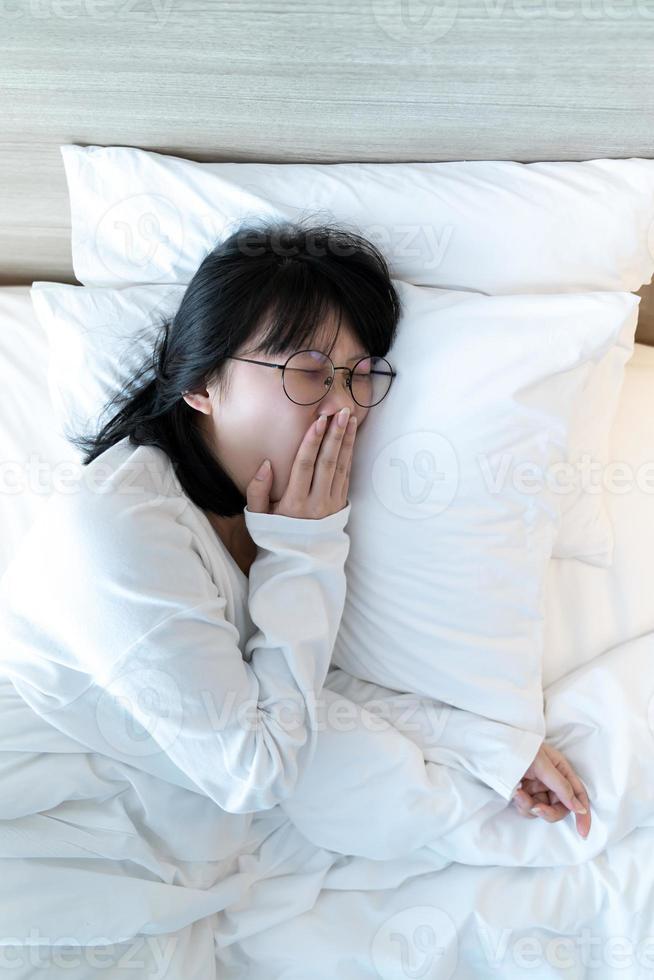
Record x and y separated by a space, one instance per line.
129 627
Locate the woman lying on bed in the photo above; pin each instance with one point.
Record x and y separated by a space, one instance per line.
198 574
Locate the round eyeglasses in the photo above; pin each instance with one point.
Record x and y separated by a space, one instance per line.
308 375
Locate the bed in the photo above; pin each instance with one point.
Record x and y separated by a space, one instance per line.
484 901
316 916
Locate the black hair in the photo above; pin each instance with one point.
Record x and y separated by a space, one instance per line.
280 277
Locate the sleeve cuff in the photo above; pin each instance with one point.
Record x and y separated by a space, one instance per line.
518 760
297 525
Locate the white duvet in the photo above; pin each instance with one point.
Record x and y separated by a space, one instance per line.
288 907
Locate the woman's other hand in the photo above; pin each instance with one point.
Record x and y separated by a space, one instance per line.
552 785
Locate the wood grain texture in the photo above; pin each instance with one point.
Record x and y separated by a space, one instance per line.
309 80
645 331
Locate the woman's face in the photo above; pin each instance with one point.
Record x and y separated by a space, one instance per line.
256 420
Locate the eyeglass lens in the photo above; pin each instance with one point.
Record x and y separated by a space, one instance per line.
307 378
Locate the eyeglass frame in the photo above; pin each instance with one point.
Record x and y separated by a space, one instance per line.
350 370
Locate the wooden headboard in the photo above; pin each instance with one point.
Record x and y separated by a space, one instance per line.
310 80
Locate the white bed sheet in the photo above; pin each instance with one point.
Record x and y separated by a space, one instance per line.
33 456
590 609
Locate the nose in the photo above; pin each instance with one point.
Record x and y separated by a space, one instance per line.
338 397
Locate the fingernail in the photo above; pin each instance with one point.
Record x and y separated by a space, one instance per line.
342 417
321 423
578 806
536 810
263 469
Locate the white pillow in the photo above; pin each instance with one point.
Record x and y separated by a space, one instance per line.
445 571
476 375
491 225
98 336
